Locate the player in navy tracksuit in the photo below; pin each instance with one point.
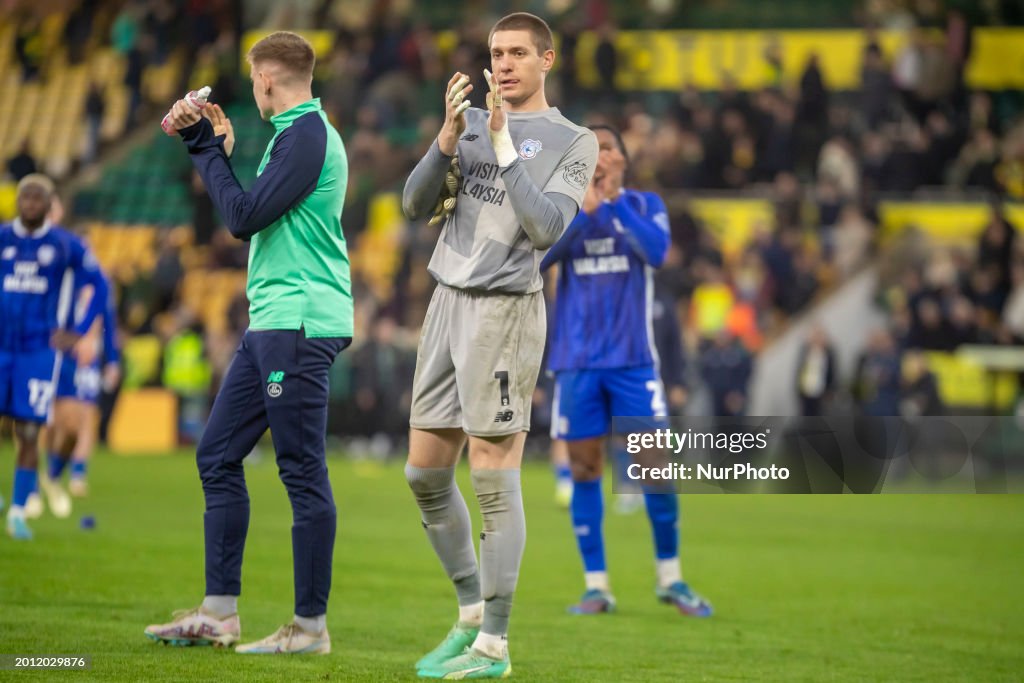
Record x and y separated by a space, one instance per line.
605 363
41 266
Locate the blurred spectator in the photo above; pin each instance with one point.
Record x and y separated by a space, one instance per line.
711 301
168 271
186 372
203 213
78 29
751 282
829 205
202 25
852 241
816 372
22 163
976 163
726 368
606 59
383 380
996 247
136 59
95 107
981 113
984 290
1009 172
668 340
569 32
29 47
962 322
944 142
777 148
811 113
789 197
928 328
908 71
876 386
838 166
919 393
124 32
876 87
799 289
161 22
228 252
1013 311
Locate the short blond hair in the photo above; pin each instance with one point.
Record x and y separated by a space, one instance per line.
290 50
37 180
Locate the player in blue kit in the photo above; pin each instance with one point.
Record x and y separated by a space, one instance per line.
41 266
605 363
71 435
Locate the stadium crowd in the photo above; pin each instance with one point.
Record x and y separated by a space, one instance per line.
823 158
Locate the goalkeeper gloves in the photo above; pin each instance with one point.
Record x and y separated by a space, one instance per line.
445 206
504 149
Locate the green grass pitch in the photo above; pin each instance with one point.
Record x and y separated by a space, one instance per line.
806 588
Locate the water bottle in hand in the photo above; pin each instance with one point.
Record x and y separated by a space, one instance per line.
196 99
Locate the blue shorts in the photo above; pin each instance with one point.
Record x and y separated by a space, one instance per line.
586 400
79 382
27 381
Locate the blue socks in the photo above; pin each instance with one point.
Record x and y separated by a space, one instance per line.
587 515
56 466
663 511
662 507
621 460
563 473
24 484
78 468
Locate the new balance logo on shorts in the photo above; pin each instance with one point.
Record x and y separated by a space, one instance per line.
503 416
469 137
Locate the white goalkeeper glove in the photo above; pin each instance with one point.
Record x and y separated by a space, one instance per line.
504 149
457 96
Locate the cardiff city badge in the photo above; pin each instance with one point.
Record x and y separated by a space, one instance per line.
45 255
529 148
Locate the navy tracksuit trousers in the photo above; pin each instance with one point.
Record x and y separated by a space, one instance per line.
277 379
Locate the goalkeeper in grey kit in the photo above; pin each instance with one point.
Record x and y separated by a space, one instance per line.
522 172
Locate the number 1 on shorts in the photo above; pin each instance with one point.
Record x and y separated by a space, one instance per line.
502 377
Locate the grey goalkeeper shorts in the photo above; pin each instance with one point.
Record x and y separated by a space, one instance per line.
477 362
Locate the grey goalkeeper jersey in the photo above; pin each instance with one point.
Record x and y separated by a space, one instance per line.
506 219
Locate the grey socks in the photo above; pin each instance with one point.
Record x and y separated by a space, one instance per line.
501 543
220 606
312 625
446 520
